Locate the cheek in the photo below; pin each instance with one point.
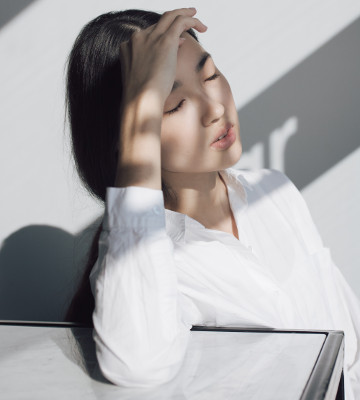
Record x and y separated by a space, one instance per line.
180 142
227 97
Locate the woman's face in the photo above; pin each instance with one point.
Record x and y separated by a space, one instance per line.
198 111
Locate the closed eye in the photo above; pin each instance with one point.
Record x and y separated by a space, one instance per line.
212 77
176 108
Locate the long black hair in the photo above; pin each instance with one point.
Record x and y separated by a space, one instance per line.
94 90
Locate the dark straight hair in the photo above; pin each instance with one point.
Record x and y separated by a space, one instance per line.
93 102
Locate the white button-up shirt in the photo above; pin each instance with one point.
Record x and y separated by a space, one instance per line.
160 272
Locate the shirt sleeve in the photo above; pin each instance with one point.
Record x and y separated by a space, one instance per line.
139 328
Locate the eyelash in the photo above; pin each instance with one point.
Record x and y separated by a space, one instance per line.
211 78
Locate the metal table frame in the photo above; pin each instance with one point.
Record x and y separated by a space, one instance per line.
327 376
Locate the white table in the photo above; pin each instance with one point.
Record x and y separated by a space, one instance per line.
58 362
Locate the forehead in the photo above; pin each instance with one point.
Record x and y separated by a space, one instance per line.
189 53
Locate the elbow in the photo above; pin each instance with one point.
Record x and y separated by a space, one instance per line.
144 378
137 373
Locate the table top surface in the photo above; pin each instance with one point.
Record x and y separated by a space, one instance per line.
59 362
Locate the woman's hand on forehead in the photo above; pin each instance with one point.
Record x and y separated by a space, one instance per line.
150 57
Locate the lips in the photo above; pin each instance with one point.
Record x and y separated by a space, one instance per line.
223 132
225 139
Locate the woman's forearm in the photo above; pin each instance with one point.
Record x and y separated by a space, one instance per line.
140 329
139 162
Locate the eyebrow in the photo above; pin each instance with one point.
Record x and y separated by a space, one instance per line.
198 68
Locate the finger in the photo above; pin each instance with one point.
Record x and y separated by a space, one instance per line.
182 24
168 17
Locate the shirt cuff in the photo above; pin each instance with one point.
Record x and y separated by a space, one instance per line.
133 206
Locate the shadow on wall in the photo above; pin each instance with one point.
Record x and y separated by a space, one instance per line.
9 9
308 120
39 268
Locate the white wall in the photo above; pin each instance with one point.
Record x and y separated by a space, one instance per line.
338 217
254 43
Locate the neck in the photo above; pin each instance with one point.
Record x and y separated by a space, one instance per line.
202 196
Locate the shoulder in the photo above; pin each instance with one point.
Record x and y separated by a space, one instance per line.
272 185
255 174
265 180
271 188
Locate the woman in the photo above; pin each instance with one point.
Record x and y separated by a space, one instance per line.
185 239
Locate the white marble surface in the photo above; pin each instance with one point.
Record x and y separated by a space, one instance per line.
48 363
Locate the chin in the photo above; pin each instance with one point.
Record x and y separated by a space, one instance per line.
233 157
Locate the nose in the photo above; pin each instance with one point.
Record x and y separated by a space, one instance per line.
212 111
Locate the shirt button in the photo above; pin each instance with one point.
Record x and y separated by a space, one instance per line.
156 210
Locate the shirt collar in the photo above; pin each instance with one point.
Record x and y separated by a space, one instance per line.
179 225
